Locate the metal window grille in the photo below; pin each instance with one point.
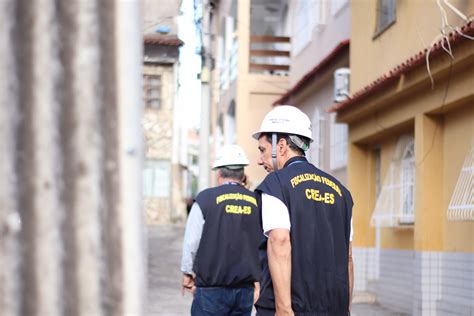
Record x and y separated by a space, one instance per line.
338 138
319 13
395 203
156 179
221 62
407 176
152 89
303 26
316 148
234 60
461 206
337 5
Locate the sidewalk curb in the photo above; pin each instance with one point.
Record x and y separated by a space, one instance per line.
364 298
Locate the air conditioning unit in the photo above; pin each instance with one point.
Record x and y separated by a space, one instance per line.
341 84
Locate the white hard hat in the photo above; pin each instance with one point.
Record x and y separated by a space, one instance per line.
231 156
286 119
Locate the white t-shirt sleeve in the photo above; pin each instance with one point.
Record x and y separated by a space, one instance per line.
274 214
352 232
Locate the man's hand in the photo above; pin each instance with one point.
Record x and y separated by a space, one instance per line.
188 284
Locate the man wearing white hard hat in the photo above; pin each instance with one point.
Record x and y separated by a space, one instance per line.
220 250
306 216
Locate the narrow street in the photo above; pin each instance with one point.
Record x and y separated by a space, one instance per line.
164 277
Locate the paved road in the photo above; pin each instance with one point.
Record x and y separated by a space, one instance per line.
164 276
371 309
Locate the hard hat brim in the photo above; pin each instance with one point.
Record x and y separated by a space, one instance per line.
232 167
256 135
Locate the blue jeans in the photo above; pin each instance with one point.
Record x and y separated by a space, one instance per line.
222 301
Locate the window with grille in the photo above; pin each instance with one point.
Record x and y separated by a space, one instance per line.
338 158
386 14
395 205
316 148
461 206
156 179
308 15
229 125
152 91
337 5
407 180
318 13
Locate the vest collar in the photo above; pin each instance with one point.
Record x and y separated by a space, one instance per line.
296 159
231 183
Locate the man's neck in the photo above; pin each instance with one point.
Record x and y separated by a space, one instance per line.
289 154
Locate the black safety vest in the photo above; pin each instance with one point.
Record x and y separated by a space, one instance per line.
228 251
320 210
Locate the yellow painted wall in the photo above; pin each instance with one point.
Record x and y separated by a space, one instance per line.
428 187
441 144
441 120
397 238
361 176
457 141
417 24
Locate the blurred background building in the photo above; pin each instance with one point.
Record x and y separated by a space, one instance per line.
246 49
164 198
264 53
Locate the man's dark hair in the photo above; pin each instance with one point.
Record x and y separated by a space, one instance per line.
237 174
288 141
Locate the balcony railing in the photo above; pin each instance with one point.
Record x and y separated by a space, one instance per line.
269 54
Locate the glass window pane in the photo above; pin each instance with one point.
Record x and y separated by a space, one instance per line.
154 103
156 179
152 90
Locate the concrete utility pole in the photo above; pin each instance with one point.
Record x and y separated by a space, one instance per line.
204 132
71 230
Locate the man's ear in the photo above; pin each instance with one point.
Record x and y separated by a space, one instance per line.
282 145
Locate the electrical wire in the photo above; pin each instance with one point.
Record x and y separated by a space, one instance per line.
446 29
443 103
